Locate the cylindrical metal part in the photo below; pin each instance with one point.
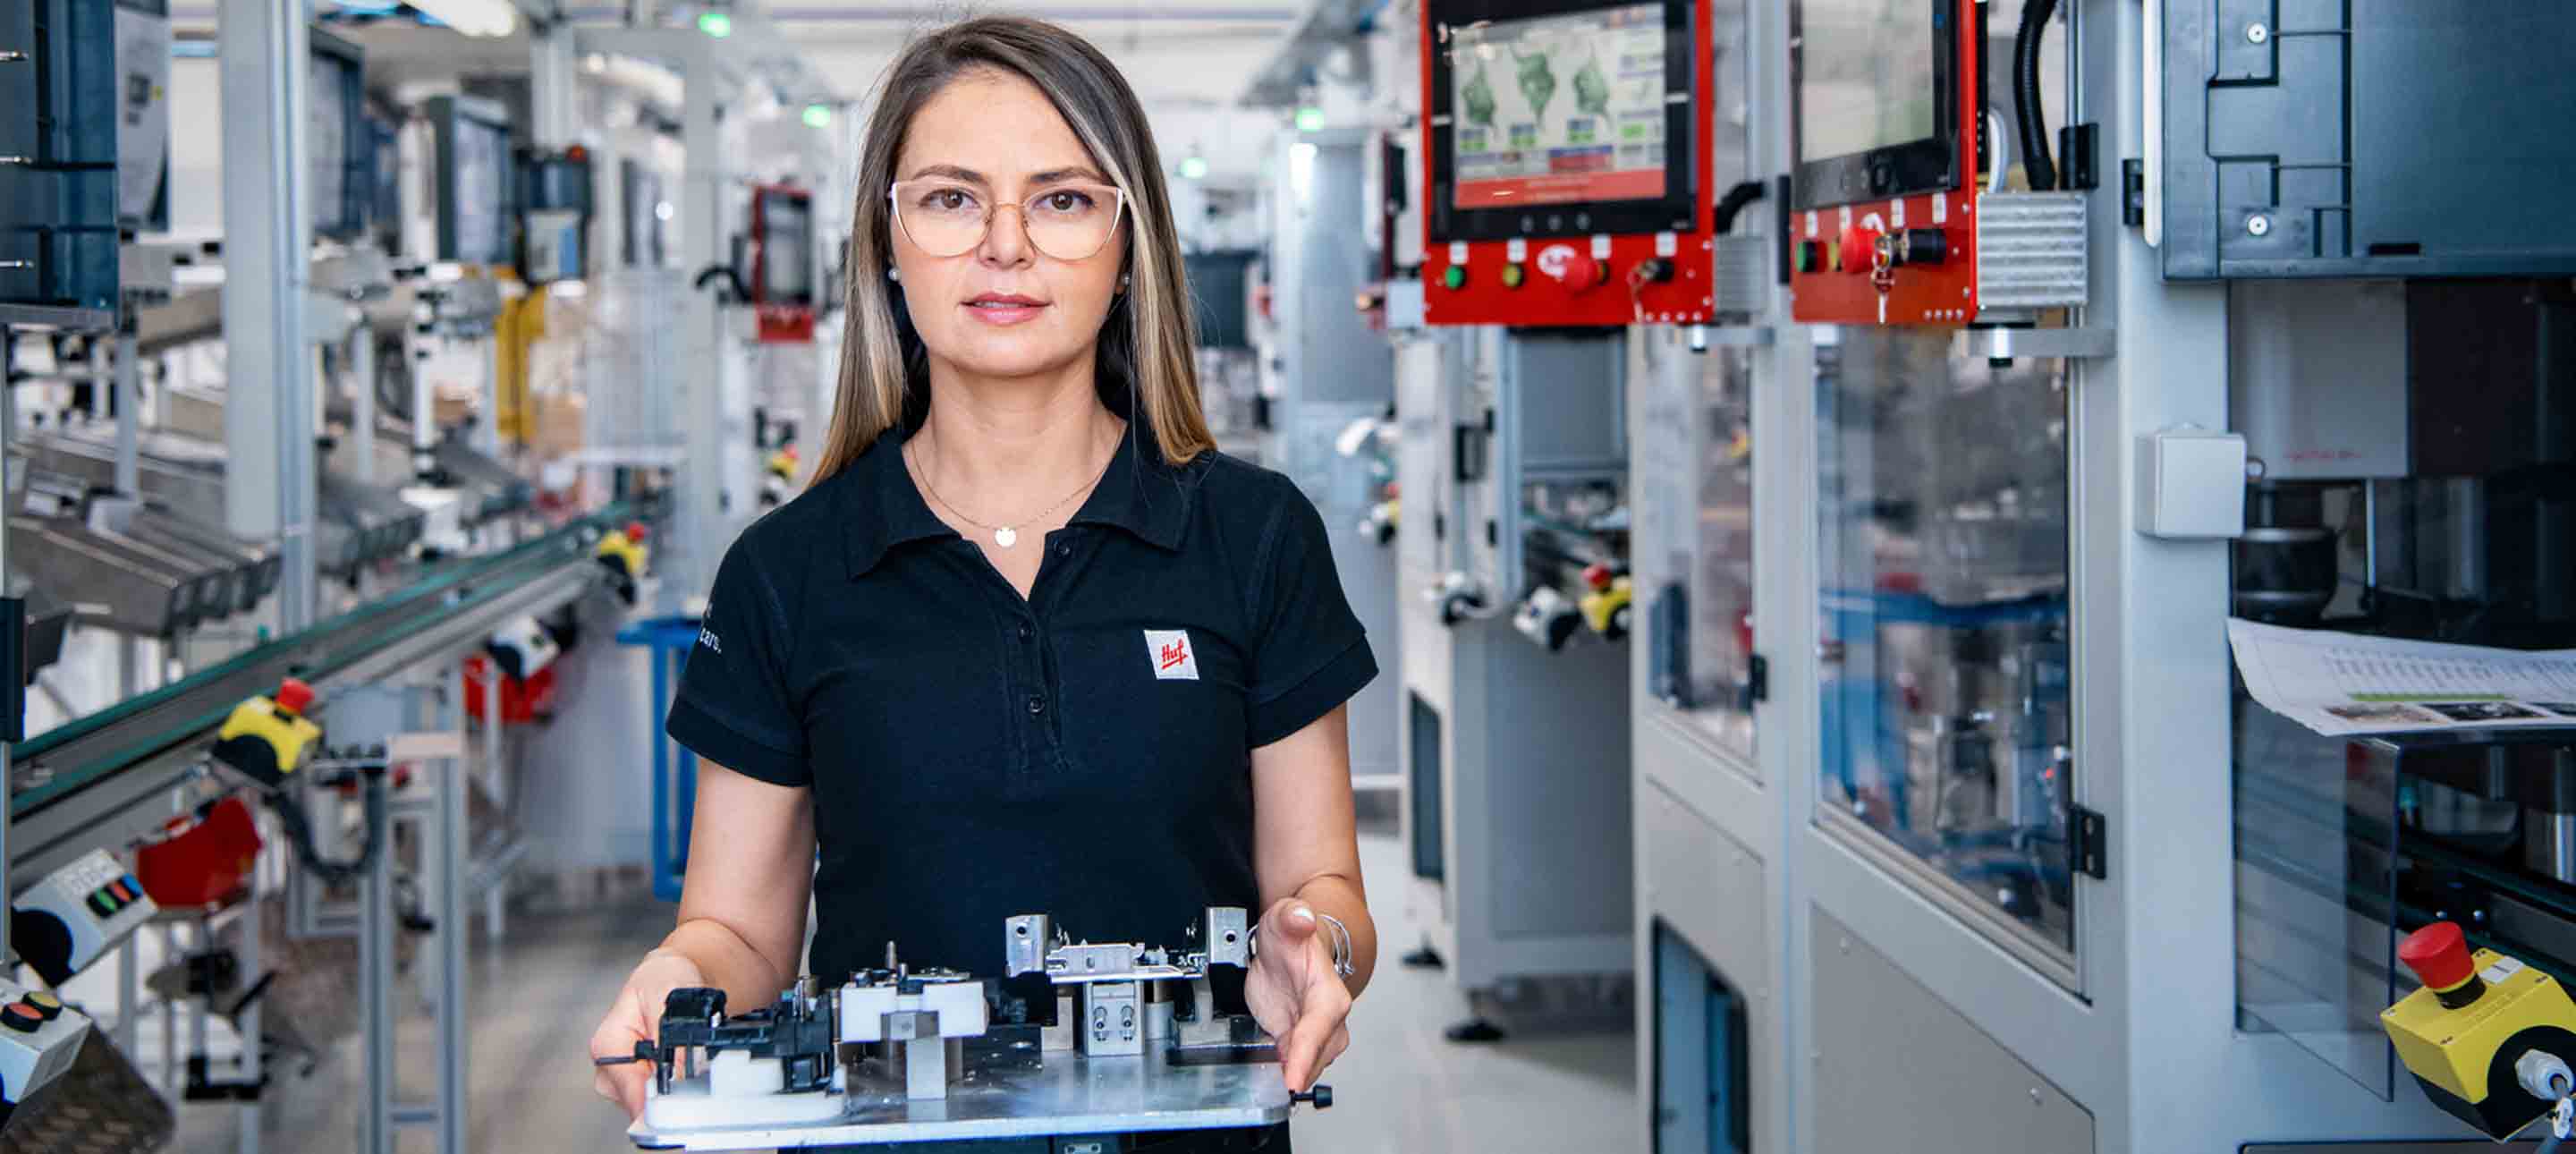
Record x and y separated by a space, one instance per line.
2285 561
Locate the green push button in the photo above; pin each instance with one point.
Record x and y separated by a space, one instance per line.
1454 277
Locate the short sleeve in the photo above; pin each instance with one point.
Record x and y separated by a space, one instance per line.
734 707
1310 653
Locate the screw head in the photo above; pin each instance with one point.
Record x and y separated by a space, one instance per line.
2258 225
2257 33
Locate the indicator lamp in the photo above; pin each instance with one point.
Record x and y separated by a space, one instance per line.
1454 277
1511 276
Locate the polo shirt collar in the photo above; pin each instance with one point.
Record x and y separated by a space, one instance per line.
880 506
1140 492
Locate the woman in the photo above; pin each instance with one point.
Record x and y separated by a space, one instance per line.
1028 644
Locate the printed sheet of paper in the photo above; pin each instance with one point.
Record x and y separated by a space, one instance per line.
2345 683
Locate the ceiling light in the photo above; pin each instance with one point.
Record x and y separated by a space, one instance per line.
472 17
1193 167
1310 120
818 116
715 24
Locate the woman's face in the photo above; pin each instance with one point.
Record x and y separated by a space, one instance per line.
1002 308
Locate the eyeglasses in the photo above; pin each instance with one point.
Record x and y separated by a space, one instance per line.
1065 221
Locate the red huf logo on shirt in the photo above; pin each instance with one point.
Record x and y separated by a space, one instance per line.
1169 650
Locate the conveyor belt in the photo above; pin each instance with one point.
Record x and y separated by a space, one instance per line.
97 780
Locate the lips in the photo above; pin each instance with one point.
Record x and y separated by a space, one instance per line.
1004 308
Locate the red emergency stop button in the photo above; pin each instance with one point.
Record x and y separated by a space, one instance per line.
1571 268
2439 955
294 696
1855 248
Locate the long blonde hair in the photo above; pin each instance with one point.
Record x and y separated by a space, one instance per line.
1145 371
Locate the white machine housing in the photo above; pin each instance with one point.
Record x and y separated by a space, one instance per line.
72 919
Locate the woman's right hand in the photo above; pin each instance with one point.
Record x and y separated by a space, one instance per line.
636 1016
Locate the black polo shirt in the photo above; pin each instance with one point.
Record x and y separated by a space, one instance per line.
1085 752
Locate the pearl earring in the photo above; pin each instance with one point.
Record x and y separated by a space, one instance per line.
1123 281
893 273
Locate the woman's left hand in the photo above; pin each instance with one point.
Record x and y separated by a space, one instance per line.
1295 994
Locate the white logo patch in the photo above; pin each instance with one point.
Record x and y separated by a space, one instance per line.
707 638
1169 650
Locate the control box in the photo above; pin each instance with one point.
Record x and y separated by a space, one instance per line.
1566 163
781 280
69 920
1900 213
555 209
39 1038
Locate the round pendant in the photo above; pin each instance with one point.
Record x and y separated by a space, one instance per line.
1006 536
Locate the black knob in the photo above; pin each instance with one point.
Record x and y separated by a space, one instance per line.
1321 1096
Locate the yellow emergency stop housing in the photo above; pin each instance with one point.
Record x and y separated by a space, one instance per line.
2464 1058
782 465
265 740
624 559
1602 608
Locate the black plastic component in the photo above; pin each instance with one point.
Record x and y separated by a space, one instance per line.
1655 270
1668 646
2404 143
2133 193
2075 147
1321 1097
1921 246
2088 842
1757 677
1474 1030
1780 223
1468 445
13 655
1423 958
45 942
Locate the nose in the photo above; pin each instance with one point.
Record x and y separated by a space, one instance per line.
1006 245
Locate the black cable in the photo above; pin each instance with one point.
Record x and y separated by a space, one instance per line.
2026 108
1723 220
299 830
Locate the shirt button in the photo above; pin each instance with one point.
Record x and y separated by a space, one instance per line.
1064 550
1037 704
1026 632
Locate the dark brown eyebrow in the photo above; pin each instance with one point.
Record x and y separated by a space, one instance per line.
950 171
1077 172
1050 176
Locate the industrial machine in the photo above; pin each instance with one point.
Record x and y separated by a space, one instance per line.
470 153
1904 207
58 257
1073 1040
1513 469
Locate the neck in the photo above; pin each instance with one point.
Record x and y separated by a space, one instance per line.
1008 445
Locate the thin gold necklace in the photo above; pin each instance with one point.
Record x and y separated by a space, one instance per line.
1003 535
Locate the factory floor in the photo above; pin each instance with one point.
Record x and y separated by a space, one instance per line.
1403 1089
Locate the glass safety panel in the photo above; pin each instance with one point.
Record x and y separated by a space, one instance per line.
1942 548
1696 543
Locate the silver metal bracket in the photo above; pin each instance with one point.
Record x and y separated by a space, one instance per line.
2008 344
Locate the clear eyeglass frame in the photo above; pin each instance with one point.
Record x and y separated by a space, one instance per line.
1117 211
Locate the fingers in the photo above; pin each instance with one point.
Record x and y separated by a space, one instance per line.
1319 1035
625 1025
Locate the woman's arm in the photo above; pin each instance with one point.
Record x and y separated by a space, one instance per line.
742 907
1306 857
1305 838
742 918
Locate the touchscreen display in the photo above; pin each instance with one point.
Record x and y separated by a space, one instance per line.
481 191
787 254
1865 76
1557 109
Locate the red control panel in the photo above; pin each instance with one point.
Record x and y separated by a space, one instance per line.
1901 260
1571 250
782 283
